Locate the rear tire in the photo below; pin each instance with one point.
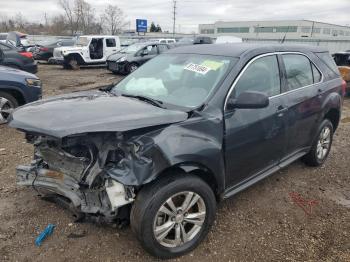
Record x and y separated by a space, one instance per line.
147 217
322 145
7 104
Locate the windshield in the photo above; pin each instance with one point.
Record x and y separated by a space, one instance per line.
132 49
82 41
183 80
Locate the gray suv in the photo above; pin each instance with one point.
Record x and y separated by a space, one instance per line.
191 127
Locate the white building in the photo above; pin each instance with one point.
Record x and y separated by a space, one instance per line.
276 29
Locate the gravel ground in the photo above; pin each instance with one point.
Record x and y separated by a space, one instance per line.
260 224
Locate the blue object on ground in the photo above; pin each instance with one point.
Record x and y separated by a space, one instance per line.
47 231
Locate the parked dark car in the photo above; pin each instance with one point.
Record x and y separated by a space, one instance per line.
16 88
18 59
45 50
192 126
342 60
132 57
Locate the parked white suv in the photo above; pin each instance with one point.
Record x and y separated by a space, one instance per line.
88 50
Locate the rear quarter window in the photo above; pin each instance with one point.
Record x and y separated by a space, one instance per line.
328 61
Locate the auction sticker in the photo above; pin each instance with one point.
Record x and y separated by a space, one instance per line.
197 68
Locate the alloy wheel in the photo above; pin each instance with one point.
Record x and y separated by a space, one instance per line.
6 109
323 143
179 219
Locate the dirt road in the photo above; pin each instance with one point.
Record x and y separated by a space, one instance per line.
260 224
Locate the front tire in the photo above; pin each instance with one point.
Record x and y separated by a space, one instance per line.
132 67
74 64
322 145
7 104
172 215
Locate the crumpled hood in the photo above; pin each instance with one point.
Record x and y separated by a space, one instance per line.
91 111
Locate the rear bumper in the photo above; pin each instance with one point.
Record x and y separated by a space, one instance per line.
42 56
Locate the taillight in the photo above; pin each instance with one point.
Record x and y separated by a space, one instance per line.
44 49
26 54
343 87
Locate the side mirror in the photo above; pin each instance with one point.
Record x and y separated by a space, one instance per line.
1 56
248 100
144 52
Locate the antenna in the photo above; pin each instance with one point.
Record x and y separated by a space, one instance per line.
174 16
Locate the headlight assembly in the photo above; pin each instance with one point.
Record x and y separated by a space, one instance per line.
122 59
32 82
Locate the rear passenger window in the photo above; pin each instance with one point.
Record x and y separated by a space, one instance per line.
317 75
110 42
299 71
262 76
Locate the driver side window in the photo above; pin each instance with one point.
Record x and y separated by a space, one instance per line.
261 76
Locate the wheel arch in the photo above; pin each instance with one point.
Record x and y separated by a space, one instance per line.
197 169
77 56
15 92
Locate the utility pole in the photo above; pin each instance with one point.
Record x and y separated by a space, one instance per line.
174 16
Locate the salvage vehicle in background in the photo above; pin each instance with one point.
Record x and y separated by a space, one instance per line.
45 50
342 59
132 57
192 126
16 88
88 50
18 40
3 37
18 59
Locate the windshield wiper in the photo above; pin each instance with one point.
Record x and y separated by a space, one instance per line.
146 99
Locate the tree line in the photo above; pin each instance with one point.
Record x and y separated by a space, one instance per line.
77 17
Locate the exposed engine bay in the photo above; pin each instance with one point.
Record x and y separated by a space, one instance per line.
78 173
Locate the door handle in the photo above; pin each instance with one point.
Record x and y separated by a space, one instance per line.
281 110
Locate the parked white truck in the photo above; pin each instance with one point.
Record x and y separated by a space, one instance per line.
88 50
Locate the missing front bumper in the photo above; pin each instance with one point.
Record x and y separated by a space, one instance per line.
105 201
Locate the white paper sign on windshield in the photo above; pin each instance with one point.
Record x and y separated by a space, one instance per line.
197 68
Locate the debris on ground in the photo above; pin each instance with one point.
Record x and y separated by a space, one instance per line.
305 205
43 235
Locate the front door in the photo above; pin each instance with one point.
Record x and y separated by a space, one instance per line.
255 139
148 53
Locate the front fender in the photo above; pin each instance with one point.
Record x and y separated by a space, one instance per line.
192 145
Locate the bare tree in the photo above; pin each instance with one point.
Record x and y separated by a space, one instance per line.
113 19
70 15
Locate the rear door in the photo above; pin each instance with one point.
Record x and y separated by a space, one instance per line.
255 139
110 46
303 98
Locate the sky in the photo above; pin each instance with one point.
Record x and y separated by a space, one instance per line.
190 13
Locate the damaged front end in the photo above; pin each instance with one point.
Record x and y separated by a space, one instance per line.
81 172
